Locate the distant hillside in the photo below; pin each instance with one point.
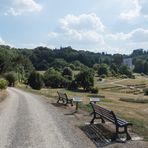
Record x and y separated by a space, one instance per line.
41 58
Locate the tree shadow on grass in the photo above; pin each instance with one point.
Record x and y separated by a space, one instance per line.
98 134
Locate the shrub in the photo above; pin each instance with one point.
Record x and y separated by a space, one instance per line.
103 76
11 77
67 73
85 79
54 78
123 76
146 91
73 85
94 90
35 80
3 83
100 79
103 69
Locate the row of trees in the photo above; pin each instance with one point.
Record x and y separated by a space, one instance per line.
62 79
22 62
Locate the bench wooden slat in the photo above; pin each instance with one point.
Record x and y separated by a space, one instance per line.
110 116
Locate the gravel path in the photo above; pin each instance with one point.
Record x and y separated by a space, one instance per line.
28 121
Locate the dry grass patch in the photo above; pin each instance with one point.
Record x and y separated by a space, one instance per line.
3 95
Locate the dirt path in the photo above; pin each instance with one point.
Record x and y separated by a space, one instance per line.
28 121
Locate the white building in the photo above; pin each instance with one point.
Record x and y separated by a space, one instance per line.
128 62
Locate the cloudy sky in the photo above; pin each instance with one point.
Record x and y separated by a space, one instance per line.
113 26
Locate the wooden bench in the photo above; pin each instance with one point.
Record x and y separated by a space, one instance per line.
105 114
64 98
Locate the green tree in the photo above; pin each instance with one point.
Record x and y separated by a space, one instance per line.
103 70
85 79
145 66
3 83
118 59
59 64
124 70
96 67
139 66
11 77
54 79
67 73
35 80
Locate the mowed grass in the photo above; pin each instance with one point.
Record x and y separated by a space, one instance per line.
137 113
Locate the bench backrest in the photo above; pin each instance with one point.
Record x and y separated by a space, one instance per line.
62 95
105 113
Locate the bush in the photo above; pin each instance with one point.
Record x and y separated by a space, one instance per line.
94 90
85 79
103 69
73 85
103 76
11 77
146 91
3 83
67 73
123 76
35 80
54 79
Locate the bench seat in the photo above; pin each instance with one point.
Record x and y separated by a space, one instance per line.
105 114
64 98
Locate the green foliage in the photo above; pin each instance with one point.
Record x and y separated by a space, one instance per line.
58 64
23 61
3 83
103 69
114 68
73 85
146 91
54 79
85 79
94 90
78 65
72 66
124 70
35 80
67 73
139 66
11 77
118 59
102 77
96 67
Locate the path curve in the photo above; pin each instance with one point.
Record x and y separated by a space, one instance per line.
28 121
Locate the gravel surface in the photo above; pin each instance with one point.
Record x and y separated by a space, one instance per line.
28 121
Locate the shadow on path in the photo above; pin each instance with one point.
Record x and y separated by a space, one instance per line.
98 134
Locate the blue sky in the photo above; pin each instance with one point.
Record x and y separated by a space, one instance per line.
112 26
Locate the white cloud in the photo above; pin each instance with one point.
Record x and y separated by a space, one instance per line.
137 35
2 42
83 30
119 36
82 22
19 7
132 12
